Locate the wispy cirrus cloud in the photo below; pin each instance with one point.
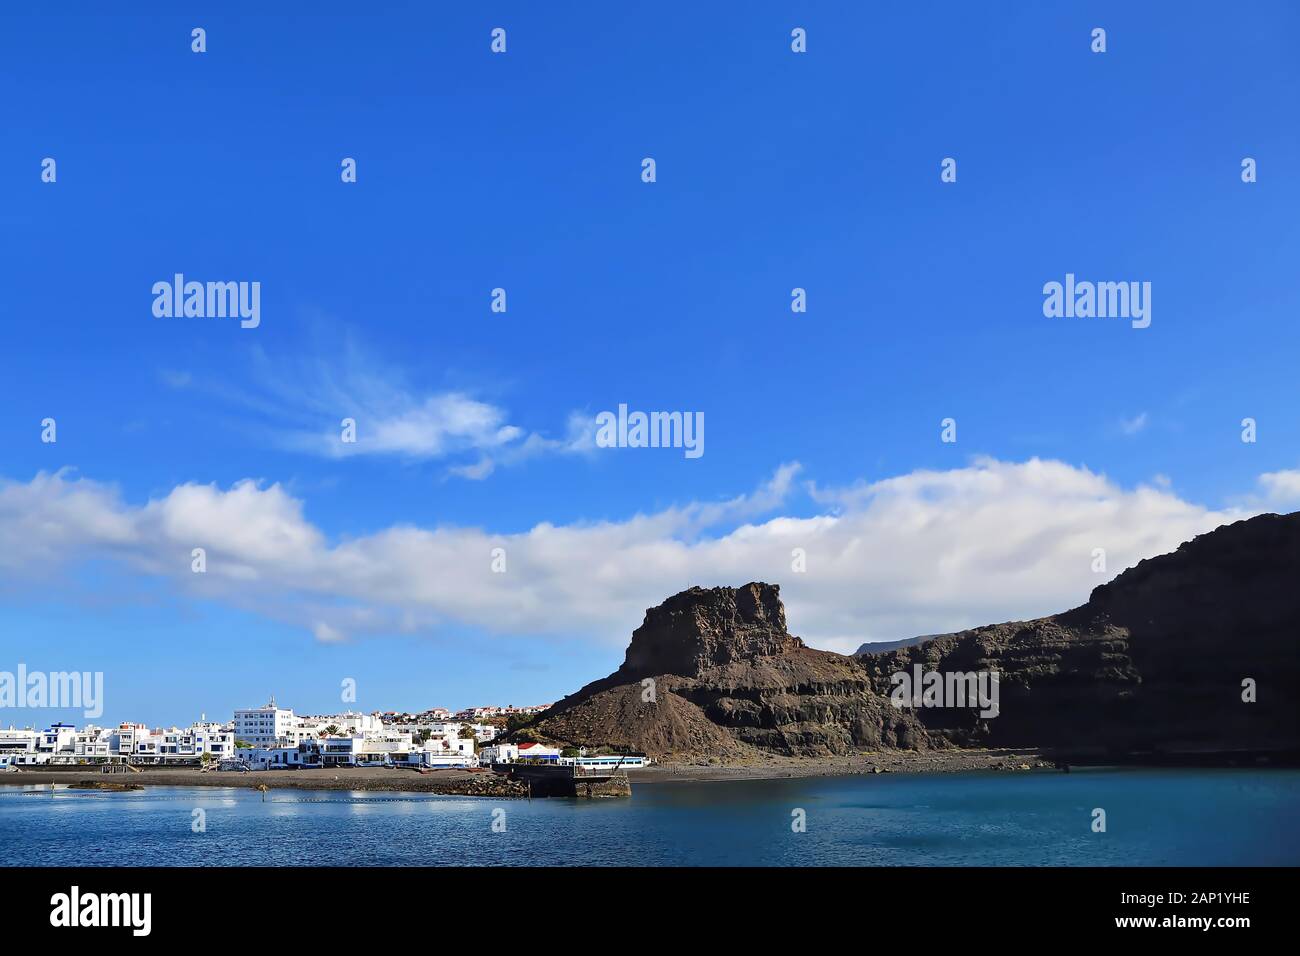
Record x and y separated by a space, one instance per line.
346 404
1133 425
433 426
579 438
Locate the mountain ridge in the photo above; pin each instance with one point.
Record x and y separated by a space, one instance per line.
1153 660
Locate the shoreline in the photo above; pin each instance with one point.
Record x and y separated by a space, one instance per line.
457 782
484 783
450 782
1019 760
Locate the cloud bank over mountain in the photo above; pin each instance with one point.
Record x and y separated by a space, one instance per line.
924 552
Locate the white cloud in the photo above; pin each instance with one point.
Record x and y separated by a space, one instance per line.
1131 426
431 427
475 472
1281 488
920 553
300 405
327 634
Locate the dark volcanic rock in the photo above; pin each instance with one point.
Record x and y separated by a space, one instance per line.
700 629
715 674
1154 661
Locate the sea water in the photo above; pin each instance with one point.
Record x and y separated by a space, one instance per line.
1152 818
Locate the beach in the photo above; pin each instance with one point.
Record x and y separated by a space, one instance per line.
884 761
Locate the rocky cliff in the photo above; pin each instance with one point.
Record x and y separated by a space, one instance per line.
1154 660
715 673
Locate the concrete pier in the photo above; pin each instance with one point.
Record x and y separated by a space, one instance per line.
550 780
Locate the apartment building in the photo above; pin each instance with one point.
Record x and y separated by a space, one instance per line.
14 741
268 726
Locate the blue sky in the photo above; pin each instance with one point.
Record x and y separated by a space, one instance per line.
522 170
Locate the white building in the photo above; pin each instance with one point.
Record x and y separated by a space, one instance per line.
337 750
268 726
513 753
483 733
94 743
355 724
388 748
449 749
530 751
131 743
192 743
365 750
476 713
57 740
437 726
128 742
29 748
14 741
279 758
18 741
499 753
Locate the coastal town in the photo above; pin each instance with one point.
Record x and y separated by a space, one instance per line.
272 737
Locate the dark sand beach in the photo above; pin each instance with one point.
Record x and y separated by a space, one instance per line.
884 761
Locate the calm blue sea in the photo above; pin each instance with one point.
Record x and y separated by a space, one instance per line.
1153 817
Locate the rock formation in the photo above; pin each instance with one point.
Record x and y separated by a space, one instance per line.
714 673
1154 661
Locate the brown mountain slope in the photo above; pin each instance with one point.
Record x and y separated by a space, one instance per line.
1153 661
715 673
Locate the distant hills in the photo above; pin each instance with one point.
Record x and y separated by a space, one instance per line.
1154 661
879 647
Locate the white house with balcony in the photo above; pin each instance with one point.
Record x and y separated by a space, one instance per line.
14 742
177 745
57 740
446 749
94 743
